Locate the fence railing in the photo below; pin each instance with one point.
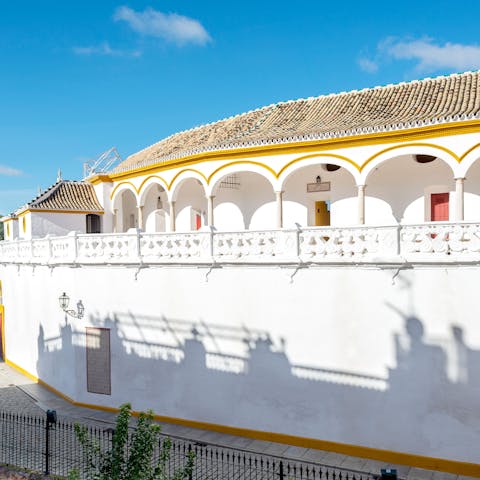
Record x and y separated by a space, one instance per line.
429 242
32 443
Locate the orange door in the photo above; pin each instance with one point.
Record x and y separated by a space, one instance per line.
439 207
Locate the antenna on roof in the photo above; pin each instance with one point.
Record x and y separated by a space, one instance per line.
102 164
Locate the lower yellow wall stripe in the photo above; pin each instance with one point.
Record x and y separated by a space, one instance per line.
387 456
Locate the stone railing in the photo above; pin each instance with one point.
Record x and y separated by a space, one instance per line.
431 242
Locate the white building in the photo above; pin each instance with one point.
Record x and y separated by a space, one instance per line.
313 263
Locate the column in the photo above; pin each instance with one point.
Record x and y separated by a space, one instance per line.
279 200
361 204
172 216
210 211
459 199
115 220
140 216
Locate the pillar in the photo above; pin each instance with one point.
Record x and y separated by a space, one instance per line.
210 219
115 220
361 204
140 216
278 197
459 199
172 216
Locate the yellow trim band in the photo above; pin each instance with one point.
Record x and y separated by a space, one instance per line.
387 456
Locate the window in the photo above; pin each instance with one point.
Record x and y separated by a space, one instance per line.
93 223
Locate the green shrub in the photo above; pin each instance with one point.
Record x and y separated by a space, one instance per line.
130 457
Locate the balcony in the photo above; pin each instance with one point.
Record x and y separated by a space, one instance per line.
398 244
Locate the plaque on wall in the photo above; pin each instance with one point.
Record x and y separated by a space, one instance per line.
318 187
98 360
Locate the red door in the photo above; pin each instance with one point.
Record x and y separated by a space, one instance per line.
439 207
198 221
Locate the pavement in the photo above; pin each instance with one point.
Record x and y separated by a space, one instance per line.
20 395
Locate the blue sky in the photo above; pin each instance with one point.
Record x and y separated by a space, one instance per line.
80 77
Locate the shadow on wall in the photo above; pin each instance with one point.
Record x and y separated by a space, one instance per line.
180 369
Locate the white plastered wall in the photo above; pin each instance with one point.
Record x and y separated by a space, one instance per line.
42 224
392 370
103 191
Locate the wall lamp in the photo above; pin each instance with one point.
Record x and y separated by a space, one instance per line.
64 300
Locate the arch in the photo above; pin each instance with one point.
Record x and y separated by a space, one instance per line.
246 201
390 153
336 204
310 160
153 197
468 159
400 189
119 189
181 177
147 183
190 204
236 167
125 203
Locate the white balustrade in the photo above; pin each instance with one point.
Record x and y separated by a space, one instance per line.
441 241
176 247
255 246
348 244
429 242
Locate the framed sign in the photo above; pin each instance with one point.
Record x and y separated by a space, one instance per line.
318 187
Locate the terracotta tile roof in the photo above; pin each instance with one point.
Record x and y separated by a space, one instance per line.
67 195
392 107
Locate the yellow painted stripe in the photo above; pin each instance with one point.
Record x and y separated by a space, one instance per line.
387 456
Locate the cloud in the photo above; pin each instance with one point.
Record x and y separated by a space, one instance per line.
427 55
9 171
106 50
171 27
367 65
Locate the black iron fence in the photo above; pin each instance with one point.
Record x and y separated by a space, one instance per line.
45 446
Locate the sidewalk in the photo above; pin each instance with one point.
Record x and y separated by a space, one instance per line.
19 394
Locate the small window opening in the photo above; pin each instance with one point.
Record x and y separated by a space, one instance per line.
424 158
330 167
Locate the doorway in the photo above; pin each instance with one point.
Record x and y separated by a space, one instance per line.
439 207
322 214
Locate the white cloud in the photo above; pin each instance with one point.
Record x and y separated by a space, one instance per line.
106 50
427 55
367 65
171 27
9 171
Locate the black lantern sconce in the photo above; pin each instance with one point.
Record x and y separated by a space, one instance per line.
64 301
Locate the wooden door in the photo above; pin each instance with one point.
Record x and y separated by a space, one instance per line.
198 221
322 214
439 210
